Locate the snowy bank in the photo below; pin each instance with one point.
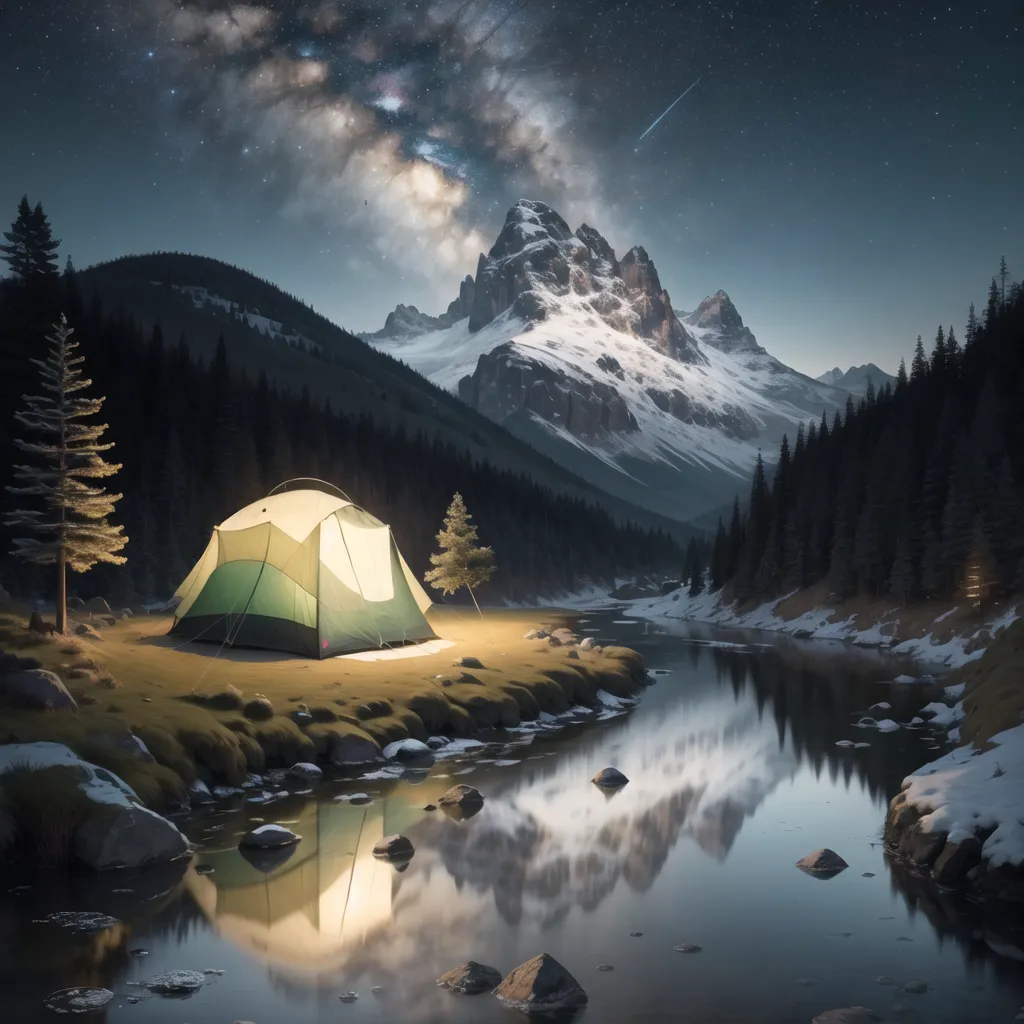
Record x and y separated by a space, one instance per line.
829 623
961 817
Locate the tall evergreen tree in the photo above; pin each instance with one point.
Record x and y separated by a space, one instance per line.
919 364
460 562
71 529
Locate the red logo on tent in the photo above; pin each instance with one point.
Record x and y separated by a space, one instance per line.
324 644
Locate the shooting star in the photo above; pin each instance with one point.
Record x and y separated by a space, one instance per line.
667 109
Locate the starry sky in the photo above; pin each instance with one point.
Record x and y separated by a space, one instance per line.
848 172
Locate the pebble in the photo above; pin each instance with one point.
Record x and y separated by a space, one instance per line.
688 947
605 967
377 989
904 938
868 874
349 997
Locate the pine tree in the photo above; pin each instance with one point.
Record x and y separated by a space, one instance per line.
694 569
919 364
720 557
71 530
460 563
901 376
972 327
1004 273
30 249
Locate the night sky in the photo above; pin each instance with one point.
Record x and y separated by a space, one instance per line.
850 173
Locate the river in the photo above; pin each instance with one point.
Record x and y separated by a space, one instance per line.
734 776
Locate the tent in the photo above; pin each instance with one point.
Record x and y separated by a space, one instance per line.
302 570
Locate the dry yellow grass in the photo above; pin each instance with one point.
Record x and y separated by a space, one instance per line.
183 699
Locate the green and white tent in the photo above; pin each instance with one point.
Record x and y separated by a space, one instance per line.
305 571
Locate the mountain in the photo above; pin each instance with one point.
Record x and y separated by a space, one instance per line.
267 330
582 354
855 379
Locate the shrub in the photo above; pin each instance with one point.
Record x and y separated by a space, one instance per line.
108 682
227 699
259 709
45 808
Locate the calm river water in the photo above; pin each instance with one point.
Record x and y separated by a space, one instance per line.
735 775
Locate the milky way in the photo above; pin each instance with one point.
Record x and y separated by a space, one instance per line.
847 172
389 119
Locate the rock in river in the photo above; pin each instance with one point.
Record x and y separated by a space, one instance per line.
609 778
541 985
470 978
849 1015
394 848
269 837
822 863
305 771
129 837
461 796
175 982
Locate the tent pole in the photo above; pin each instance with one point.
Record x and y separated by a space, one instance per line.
472 595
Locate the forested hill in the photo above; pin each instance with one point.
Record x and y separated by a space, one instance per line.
917 491
199 439
265 329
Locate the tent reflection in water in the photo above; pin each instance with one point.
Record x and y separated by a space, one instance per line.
303 570
330 897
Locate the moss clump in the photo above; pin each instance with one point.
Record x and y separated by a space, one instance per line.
259 709
373 709
44 809
227 699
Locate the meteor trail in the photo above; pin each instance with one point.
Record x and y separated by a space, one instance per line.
667 109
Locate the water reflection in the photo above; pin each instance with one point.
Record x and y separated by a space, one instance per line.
553 862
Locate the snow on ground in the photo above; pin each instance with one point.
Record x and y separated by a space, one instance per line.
98 784
942 714
709 607
969 789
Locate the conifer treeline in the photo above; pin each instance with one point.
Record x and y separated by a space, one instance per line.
917 491
198 441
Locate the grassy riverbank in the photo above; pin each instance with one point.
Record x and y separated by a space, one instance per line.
192 704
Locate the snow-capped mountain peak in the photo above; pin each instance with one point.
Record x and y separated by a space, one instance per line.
582 354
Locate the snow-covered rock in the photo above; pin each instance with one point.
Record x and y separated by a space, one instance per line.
175 982
122 833
942 715
269 837
305 771
407 750
887 725
968 790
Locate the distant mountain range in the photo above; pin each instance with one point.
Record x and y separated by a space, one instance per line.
581 354
267 330
856 378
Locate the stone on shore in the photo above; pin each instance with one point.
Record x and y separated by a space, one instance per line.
609 778
824 863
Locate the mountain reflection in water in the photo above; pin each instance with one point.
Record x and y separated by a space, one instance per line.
734 774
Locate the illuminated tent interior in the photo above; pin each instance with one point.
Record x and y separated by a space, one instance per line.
329 897
303 570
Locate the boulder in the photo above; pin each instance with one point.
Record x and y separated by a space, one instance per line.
587 644
541 985
269 837
468 662
609 778
850 1015
470 979
408 750
259 709
37 688
305 771
73 603
129 837
394 848
11 662
353 749
461 802
822 863
921 848
96 605
461 795
956 859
